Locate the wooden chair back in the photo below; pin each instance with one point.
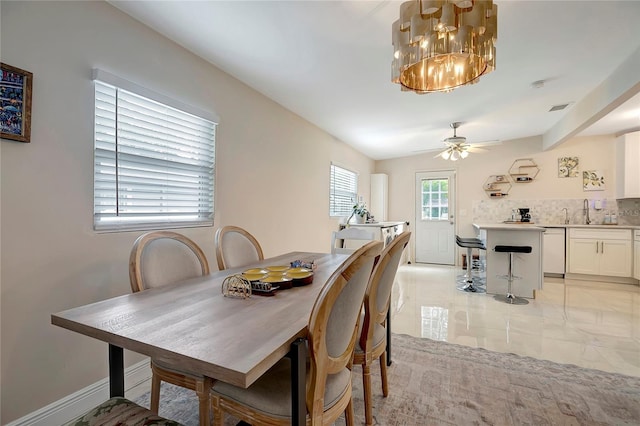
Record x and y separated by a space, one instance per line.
236 247
163 257
376 301
333 327
341 237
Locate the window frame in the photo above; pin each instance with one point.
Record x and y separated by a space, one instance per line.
155 220
334 210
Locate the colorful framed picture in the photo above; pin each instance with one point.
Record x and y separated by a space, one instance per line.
15 103
593 180
568 167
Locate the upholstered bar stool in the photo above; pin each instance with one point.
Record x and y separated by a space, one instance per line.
470 283
510 297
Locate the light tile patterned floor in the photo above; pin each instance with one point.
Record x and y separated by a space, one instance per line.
589 324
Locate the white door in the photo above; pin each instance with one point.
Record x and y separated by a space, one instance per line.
435 227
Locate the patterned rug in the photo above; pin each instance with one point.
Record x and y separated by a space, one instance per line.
438 383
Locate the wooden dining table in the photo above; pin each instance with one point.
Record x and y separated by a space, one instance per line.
191 325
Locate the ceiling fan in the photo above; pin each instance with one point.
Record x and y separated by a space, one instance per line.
457 146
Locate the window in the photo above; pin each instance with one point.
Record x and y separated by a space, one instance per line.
435 199
153 164
343 192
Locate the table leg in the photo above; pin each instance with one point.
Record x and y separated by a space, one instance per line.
298 355
116 371
389 336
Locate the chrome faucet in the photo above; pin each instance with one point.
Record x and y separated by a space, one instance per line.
566 216
587 221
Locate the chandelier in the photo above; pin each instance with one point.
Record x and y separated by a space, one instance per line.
439 45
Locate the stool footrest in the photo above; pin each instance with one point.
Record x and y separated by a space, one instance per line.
506 277
513 249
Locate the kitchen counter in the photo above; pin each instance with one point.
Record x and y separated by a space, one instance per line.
598 226
510 226
378 224
528 226
528 266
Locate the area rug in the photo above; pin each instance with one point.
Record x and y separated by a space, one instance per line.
438 383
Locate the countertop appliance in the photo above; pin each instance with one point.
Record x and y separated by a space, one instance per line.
525 216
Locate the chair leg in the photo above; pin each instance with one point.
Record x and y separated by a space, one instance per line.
383 374
155 393
203 390
348 413
218 415
366 384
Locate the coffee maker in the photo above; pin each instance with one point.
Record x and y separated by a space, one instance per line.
525 216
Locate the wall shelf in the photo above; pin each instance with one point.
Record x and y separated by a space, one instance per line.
497 186
523 170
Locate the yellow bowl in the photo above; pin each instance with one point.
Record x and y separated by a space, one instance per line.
254 276
298 275
282 281
255 271
278 268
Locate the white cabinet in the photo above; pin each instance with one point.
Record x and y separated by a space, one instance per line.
379 196
600 252
627 170
553 251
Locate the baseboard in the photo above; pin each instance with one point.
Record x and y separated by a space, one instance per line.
601 278
72 406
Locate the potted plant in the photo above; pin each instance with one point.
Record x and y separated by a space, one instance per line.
360 212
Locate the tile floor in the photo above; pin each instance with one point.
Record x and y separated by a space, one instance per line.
589 324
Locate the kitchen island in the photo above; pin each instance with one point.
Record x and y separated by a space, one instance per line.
528 266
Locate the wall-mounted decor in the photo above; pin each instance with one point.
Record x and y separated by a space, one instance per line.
593 180
15 103
568 167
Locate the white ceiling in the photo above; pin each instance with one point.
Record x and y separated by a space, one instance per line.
329 62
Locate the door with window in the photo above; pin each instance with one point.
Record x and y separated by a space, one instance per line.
434 224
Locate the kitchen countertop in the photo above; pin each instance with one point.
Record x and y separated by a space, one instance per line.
532 227
599 226
380 224
518 225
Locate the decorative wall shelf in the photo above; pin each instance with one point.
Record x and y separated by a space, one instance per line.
497 186
523 170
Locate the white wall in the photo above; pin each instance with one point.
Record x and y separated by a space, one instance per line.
471 173
272 178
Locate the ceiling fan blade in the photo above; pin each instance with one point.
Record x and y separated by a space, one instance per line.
487 143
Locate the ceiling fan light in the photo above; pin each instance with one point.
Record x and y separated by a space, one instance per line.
446 154
455 155
464 154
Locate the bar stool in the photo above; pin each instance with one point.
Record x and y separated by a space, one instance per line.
469 283
510 297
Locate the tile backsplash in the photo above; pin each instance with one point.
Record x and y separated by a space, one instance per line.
550 211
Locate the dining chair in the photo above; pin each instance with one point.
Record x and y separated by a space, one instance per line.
372 342
331 338
346 234
159 258
236 247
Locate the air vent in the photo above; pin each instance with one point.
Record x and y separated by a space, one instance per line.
558 107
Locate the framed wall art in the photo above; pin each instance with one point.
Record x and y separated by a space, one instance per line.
568 167
15 103
593 180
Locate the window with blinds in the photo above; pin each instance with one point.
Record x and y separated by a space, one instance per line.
343 192
154 164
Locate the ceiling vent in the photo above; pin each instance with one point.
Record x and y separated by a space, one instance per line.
558 107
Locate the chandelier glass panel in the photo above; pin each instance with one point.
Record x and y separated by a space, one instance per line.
439 45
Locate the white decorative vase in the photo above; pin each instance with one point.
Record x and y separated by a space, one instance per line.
359 219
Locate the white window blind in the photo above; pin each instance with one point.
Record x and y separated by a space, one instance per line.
154 164
343 192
